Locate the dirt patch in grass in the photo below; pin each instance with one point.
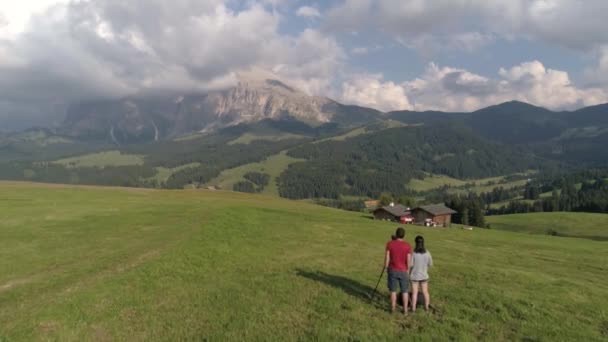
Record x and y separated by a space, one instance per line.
48 327
16 282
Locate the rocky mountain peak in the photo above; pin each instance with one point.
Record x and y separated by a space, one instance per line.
258 95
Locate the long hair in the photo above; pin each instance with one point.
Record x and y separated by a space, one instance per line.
419 245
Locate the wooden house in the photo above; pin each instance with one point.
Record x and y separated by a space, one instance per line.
394 212
435 214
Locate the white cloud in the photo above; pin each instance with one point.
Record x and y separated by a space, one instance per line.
372 91
598 74
308 12
453 89
111 48
15 15
573 24
312 60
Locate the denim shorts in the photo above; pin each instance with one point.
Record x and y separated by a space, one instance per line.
403 278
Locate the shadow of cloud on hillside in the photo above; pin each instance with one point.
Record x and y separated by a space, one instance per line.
349 286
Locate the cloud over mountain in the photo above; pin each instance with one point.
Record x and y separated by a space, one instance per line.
369 52
453 89
112 48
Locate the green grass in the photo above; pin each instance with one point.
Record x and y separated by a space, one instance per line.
434 182
80 264
484 187
189 137
582 225
362 130
102 159
351 134
273 166
163 173
249 137
39 138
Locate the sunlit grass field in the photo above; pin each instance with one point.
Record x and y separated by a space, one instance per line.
102 159
110 264
273 166
583 225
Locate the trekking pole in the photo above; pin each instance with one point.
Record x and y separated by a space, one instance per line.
371 297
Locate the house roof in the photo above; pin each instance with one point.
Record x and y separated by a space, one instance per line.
437 209
396 210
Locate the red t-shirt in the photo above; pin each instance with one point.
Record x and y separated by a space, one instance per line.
398 250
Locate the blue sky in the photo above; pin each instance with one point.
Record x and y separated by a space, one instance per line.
448 55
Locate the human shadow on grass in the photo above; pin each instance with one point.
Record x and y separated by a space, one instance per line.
349 286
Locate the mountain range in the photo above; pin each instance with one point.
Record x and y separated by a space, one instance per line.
332 149
260 95
257 96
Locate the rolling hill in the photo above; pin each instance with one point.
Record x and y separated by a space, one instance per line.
580 225
89 263
342 150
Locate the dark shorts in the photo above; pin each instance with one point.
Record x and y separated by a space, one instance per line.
403 278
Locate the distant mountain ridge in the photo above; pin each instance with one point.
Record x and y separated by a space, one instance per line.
257 96
260 95
517 122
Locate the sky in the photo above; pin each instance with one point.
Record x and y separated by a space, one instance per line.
451 55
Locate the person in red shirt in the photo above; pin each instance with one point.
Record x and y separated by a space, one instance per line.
397 261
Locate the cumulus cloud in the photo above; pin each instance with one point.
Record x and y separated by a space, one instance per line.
572 24
372 91
308 12
111 48
597 75
453 89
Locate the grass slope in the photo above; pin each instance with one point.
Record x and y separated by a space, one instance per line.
163 173
273 166
583 225
433 182
479 185
102 159
127 264
250 137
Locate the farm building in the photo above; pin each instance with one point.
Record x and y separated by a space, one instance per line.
394 212
437 214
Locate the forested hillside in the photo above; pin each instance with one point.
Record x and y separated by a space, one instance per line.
369 164
387 152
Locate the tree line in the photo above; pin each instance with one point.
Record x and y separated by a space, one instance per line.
370 164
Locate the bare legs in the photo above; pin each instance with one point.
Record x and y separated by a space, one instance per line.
425 292
414 295
404 297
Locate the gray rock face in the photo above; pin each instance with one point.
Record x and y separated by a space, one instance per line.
256 97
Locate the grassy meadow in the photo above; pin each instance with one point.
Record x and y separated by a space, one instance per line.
273 166
90 263
163 173
582 225
102 159
249 137
479 185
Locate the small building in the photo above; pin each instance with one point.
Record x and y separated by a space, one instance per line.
435 214
394 212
